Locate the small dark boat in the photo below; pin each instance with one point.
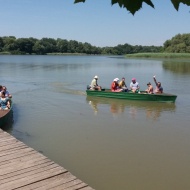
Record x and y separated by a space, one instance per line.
143 96
6 116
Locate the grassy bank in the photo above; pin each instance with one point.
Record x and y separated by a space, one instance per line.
158 55
5 53
66 54
18 53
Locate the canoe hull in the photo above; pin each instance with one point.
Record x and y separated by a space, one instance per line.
133 96
6 117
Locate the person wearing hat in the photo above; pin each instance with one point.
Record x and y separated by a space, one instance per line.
94 85
122 85
115 86
149 90
134 85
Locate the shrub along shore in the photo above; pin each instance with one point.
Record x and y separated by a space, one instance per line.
158 55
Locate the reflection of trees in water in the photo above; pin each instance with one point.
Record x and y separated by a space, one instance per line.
153 110
177 67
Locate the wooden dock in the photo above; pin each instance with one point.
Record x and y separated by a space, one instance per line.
23 168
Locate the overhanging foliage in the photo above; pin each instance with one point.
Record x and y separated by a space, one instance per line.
134 5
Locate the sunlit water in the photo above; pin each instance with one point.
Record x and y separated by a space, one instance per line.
109 144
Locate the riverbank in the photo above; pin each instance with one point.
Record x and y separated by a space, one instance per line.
20 53
158 55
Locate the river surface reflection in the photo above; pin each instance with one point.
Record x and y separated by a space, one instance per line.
116 107
181 66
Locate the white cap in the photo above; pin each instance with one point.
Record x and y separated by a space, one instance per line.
116 79
96 77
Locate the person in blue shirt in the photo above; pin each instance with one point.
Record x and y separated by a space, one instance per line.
4 102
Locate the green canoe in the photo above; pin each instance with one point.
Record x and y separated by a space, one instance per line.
143 96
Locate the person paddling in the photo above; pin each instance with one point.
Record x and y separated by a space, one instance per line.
94 84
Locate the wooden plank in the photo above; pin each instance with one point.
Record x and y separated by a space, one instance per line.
24 168
38 165
11 153
61 184
32 172
87 188
50 182
13 146
10 157
31 179
4 156
23 164
6 138
5 134
75 184
7 143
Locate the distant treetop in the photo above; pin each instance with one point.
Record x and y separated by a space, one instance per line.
178 44
134 5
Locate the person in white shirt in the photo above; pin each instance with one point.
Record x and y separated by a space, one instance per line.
134 85
94 85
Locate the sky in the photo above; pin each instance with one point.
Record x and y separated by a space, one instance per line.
96 21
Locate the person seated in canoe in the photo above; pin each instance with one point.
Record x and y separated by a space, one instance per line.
115 86
159 89
122 85
4 102
149 90
94 84
134 85
4 89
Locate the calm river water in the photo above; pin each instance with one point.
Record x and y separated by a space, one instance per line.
109 144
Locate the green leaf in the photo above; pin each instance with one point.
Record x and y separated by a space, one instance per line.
132 6
79 1
120 2
177 2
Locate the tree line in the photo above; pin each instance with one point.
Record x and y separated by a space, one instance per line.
13 45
